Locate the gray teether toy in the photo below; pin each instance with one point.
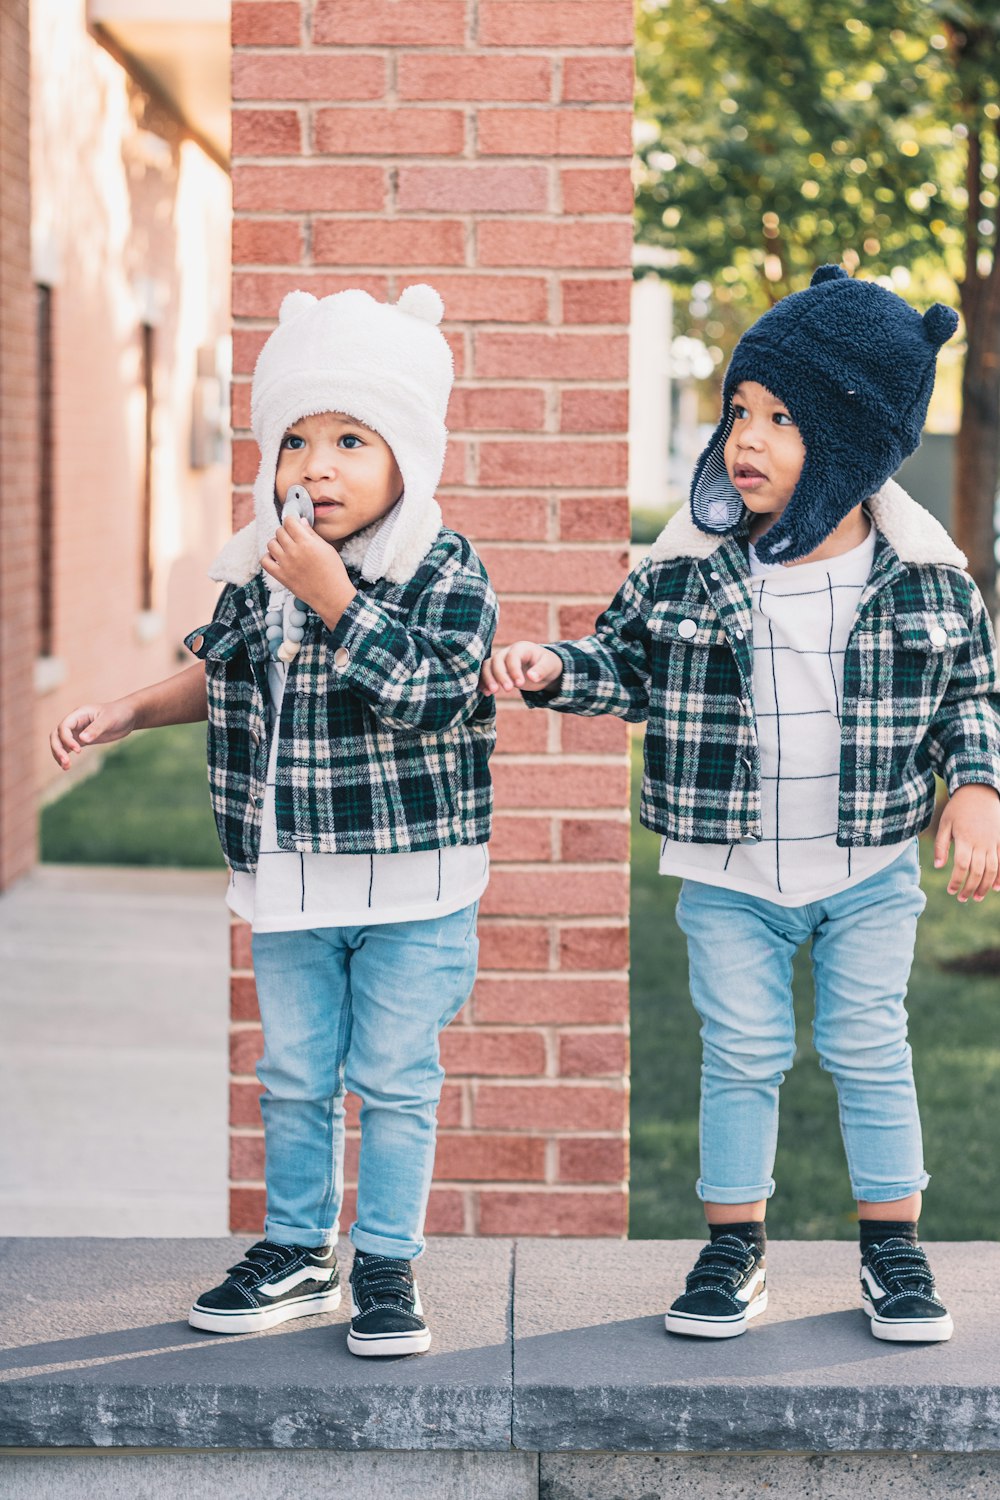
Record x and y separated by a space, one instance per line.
284 646
297 503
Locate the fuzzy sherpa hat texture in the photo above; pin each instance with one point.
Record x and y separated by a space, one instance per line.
387 365
854 364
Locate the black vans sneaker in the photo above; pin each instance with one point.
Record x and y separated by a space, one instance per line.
386 1316
271 1284
898 1294
725 1290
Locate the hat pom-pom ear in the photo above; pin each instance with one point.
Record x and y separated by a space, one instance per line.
940 323
294 304
422 301
828 273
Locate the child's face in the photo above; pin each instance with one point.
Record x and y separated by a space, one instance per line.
764 451
349 472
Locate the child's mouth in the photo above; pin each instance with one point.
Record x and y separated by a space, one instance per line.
326 507
746 477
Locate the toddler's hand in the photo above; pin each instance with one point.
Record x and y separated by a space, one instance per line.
91 724
310 567
523 665
972 819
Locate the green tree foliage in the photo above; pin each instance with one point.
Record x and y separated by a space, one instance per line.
776 135
780 135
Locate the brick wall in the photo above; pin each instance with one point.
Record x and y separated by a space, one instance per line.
482 145
18 445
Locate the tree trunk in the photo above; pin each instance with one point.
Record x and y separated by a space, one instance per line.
977 449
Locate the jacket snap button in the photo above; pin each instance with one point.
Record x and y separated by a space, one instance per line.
341 657
686 629
749 838
938 636
714 575
197 643
739 635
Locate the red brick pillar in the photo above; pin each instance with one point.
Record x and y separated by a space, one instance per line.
482 145
19 450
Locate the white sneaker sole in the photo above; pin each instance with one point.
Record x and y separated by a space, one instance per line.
213 1321
385 1345
715 1328
911 1331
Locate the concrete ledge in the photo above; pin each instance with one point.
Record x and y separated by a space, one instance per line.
97 1355
593 1368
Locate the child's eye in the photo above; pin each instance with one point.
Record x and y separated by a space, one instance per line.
350 440
293 440
739 411
782 419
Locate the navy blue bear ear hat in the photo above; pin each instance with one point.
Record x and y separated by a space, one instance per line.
854 364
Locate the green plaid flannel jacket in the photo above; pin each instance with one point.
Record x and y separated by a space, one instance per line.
921 694
384 739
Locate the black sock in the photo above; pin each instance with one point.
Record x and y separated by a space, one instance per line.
752 1233
874 1231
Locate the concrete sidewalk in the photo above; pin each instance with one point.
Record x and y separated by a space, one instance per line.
113 1063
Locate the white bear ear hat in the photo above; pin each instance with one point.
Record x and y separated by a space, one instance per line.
385 364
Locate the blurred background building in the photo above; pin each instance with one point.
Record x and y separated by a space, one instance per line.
114 488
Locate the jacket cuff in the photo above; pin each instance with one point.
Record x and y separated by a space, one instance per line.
971 771
363 625
564 692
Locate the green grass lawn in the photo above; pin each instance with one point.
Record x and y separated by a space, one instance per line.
147 805
956 1043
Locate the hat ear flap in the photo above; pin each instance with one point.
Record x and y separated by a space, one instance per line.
940 323
816 506
828 273
716 504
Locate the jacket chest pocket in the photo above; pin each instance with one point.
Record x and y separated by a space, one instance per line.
215 641
924 645
690 650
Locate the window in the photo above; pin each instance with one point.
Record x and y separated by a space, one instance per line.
146 522
46 471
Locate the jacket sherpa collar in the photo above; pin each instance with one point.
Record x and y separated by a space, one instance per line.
914 534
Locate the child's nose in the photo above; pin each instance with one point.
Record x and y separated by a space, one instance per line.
322 462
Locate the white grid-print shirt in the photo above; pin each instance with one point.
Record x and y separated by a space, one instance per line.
802 618
291 892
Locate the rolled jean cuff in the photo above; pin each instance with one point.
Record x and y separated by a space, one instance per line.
709 1194
889 1194
378 1244
309 1239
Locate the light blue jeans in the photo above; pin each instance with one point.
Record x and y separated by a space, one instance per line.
357 1008
740 951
